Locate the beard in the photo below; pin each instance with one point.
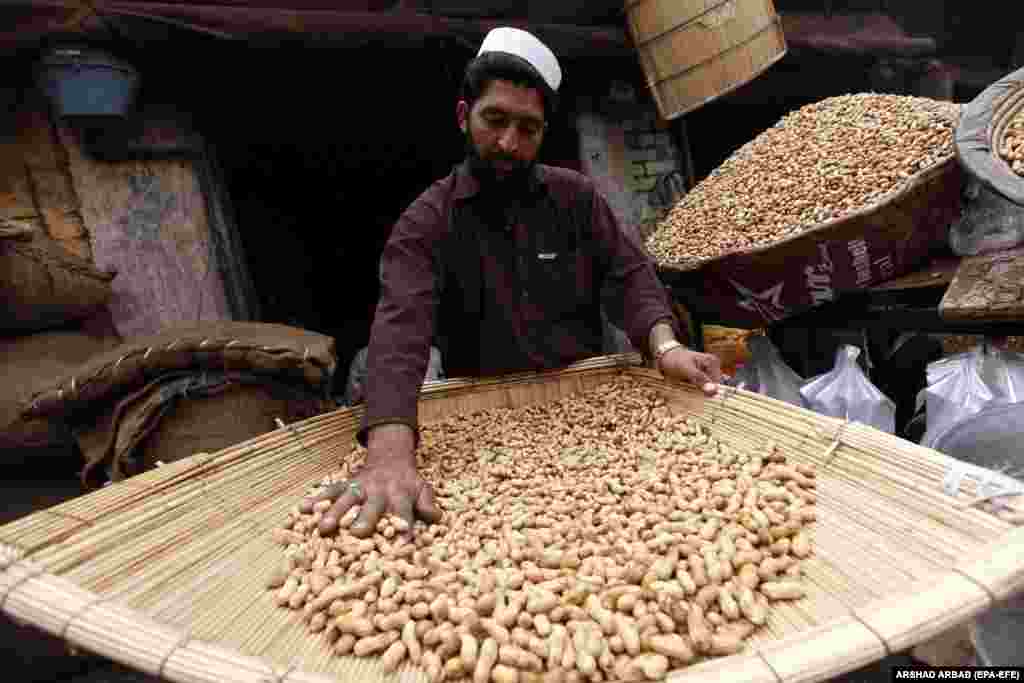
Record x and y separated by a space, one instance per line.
484 170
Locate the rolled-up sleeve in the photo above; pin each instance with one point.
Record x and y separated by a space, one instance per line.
403 325
631 272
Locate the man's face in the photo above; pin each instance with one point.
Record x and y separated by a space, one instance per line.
504 130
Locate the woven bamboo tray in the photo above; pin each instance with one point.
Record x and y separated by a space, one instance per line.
980 133
164 572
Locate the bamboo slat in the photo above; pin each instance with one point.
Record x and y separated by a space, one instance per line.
926 610
740 668
818 654
164 572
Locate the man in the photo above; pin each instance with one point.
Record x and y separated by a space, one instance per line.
502 263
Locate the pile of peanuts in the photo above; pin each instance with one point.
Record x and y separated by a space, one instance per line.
598 537
1012 149
819 163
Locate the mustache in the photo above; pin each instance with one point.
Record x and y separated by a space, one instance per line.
482 164
502 156
490 155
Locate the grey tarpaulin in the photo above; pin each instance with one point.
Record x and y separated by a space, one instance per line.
990 438
981 123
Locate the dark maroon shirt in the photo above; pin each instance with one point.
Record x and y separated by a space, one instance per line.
502 282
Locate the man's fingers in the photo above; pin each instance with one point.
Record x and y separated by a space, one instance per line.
403 507
700 378
426 508
330 493
709 386
329 522
713 368
408 500
697 375
369 515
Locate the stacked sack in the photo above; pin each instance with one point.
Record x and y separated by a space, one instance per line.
187 390
52 318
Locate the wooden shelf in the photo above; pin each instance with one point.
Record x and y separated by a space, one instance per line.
989 287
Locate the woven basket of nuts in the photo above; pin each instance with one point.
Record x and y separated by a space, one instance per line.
990 137
837 196
600 524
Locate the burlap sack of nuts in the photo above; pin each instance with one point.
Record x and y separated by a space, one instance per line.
29 363
43 286
279 351
184 413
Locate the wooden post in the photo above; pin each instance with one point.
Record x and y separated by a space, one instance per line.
683 142
239 287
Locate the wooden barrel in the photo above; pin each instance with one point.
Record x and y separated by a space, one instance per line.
693 51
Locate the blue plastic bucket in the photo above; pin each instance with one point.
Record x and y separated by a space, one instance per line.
87 82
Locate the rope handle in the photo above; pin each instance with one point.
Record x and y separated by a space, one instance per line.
112 368
835 440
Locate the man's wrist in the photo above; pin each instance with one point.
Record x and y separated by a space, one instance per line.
664 350
661 333
391 442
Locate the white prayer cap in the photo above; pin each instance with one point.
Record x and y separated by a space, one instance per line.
527 47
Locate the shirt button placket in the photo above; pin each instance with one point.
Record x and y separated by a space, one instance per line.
522 278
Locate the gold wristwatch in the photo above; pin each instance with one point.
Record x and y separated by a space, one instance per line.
664 348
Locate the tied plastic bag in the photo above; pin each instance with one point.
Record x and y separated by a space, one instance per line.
963 385
846 392
767 373
1003 371
955 392
988 223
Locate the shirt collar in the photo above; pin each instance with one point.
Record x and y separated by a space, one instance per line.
467 186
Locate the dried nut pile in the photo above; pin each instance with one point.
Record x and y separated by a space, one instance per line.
598 537
819 163
1012 149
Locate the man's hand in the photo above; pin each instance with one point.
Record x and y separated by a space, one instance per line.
701 369
387 484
